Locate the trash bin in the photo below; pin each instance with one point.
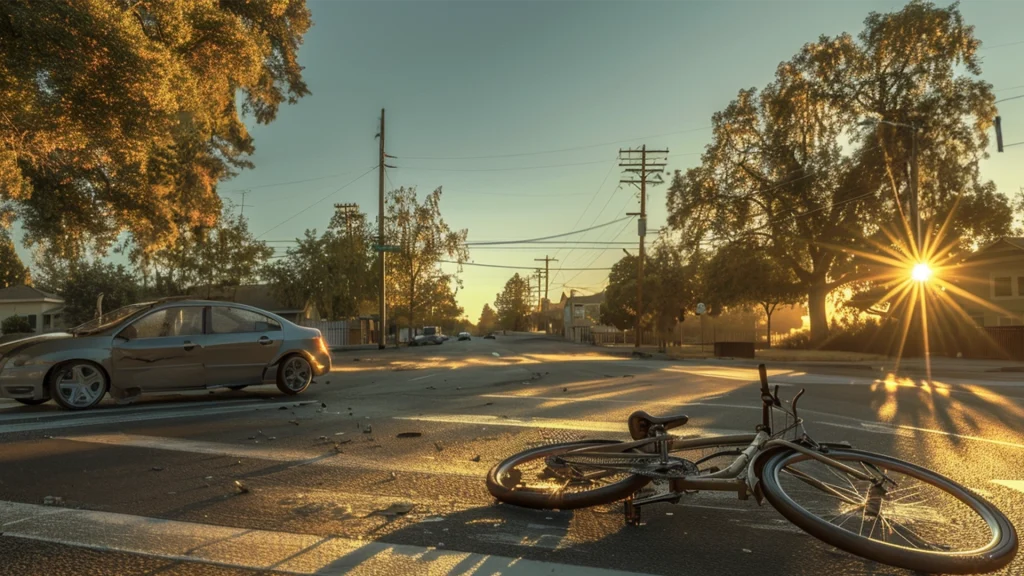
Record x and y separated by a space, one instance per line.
734 349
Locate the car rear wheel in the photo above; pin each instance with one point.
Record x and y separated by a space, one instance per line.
78 384
32 401
294 374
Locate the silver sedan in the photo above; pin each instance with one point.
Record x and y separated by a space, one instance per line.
160 346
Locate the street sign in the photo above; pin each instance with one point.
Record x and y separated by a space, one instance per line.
701 308
379 248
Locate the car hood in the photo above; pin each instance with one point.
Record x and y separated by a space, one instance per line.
11 342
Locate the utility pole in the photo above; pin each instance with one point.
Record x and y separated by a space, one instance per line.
547 260
383 308
243 205
641 163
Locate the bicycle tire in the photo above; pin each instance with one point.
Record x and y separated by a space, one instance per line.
999 552
559 500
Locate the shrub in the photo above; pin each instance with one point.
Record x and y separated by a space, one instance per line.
15 325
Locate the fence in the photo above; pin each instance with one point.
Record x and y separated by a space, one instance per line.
1008 340
337 332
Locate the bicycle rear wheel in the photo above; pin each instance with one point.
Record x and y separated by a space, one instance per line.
920 521
534 479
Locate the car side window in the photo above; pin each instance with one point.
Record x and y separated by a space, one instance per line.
228 320
167 322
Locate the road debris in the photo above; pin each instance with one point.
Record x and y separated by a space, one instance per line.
241 487
53 501
409 434
157 468
394 476
339 433
296 422
208 478
496 355
475 458
439 446
368 429
323 404
748 551
565 389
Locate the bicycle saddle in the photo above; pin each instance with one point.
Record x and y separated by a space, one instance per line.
640 423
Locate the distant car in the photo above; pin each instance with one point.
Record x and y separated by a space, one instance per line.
425 340
464 336
160 346
491 336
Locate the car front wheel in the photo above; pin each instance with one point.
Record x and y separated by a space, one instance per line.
294 374
78 385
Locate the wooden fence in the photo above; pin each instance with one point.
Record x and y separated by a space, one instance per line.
337 332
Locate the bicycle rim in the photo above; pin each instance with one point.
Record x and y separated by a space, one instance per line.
920 521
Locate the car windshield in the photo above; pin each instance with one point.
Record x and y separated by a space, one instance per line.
110 318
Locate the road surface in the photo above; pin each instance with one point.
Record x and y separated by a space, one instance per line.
150 488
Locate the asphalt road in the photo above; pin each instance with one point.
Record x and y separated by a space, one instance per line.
149 488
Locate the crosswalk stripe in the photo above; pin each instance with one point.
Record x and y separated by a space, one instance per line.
297 457
1017 485
119 417
258 549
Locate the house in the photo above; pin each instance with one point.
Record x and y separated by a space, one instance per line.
43 310
994 276
581 315
259 296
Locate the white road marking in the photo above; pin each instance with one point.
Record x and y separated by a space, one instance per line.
549 423
107 410
257 549
120 417
1017 485
297 457
424 377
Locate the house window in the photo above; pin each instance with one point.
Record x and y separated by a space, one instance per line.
1009 321
33 321
47 321
1002 287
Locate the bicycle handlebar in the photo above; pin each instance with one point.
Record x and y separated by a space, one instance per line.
770 398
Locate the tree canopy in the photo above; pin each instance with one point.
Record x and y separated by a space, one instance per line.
512 304
123 116
417 283
669 289
488 320
795 166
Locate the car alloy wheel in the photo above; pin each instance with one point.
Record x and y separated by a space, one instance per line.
78 385
294 375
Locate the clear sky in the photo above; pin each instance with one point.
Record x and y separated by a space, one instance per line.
489 78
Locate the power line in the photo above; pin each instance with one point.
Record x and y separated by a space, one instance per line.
592 198
1009 88
511 267
500 242
541 152
1010 98
502 169
291 182
297 214
1001 45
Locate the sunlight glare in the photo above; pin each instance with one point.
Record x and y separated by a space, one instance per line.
921 272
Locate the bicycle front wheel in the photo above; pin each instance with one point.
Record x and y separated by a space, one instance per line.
536 479
920 520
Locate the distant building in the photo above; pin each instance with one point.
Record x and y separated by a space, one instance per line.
43 310
994 275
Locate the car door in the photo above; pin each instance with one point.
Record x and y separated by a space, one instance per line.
240 344
162 350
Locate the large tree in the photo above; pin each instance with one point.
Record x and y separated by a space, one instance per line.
488 320
122 116
12 271
512 304
744 274
332 270
415 277
797 166
84 283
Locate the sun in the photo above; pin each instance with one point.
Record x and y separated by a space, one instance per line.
921 272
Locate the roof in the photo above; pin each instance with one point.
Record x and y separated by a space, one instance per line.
256 295
23 293
592 299
1007 247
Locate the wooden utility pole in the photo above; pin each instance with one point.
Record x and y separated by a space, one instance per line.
383 307
645 163
547 260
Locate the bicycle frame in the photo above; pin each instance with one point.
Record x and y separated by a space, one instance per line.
739 476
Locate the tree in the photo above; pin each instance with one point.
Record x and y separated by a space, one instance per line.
333 271
15 325
793 165
12 271
513 304
225 255
488 320
668 290
415 277
743 274
87 280
135 111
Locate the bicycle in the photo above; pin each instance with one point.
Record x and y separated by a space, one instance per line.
871 505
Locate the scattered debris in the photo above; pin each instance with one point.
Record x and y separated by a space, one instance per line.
252 437
339 433
394 476
458 387
296 422
397 509
356 359
496 355
748 551
241 487
475 458
431 388
53 501
48 437
669 514
627 376
158 468
271 437
565 389
368 429
208 478
323 438
438 446
323 404
489 404
433 519
343 441
409 434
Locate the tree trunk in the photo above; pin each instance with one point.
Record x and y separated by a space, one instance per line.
768 322
816 310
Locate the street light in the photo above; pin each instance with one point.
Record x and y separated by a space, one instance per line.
914 212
